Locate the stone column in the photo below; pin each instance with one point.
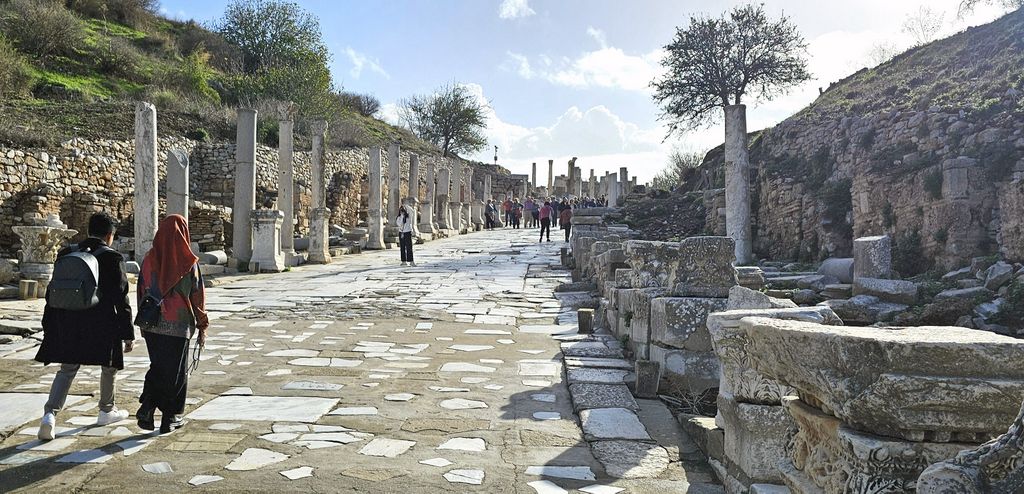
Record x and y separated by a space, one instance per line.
286 176
592 185
569 189
613 190
455 209
177 183
551 175
427 222
624 182
413 201
375 219
579 181
487 188
533 176
737 182
320 218
146 200
394 184
443 198
267 256
245 186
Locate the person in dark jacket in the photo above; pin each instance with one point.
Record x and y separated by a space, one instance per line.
94 336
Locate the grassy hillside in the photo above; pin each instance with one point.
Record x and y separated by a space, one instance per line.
74 68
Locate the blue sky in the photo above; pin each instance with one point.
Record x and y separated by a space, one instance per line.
570 77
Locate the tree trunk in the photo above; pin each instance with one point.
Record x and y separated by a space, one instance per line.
737 183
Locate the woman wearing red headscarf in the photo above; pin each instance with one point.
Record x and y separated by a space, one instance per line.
170 277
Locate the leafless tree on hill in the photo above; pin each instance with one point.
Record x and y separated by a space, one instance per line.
924 25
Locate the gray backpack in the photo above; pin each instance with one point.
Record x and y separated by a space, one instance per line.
76 280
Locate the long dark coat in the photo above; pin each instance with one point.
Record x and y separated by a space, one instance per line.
92 336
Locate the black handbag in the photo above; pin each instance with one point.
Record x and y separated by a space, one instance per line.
149 311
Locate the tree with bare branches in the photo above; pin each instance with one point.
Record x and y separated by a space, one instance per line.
719 63
452 118
923 25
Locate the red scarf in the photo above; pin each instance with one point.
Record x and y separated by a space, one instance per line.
171 257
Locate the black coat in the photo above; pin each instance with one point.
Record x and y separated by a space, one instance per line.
92 336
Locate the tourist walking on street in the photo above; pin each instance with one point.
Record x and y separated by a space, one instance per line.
490 214
546 212
172 309
532 213
517 213
506 207
565 218
90 330
404 222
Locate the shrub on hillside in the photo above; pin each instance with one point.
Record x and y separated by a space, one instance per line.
135 13
191 77
366 105
42 28
118 57
224 56
15 74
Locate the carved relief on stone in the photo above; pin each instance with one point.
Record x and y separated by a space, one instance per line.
40 244
704 267
814 450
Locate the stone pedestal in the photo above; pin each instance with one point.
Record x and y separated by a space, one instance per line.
375 220
146 199
872 257
319 232
39 247
245 187
428 224
28 289
478 214
177 183
286 176
266 232
648 378
455 216
737 182
585 318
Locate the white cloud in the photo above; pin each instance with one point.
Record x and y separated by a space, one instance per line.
361 61
606 67
514 9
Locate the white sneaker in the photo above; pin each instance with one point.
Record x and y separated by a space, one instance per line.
404 263
115 415
46 427
412 264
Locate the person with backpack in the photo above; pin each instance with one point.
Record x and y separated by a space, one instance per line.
565 219
172 309
404 223
87 320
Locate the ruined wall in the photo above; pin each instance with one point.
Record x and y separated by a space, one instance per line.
83 177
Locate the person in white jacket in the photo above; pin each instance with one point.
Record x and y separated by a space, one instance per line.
404 222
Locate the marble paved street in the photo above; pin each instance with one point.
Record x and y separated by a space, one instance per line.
362 376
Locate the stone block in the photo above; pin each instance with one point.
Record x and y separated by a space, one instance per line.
997 275
816 282
895 291
211 269
745 298
585 317
705 433
751 277
623 278
978 292
591 395
865 309
755 437
27 289
917 383
648 378
839 267
744 382
823 445
650 263
705 267
681 322
693 371
872 257
769 489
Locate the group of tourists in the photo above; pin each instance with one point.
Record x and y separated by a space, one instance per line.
88 320
538 213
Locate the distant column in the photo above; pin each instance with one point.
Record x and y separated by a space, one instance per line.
177 183
443 198
375 219
413 200
394 181
146 201
487 188
578 183
319 231
286 175
533 176
613 189
245 186
427 219
551 176
569 177
624 182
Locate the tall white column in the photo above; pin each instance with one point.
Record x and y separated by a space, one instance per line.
177 183
444 194
624 182
737 183
428 224
533 176
146 201
245 186
413 200
613 190
320 219
374 217
551 176
487 188
286 175
394 181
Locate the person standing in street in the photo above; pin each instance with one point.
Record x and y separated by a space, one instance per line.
546 212
506 207
490 213
531 213
172 309
93 331
565 219
404 222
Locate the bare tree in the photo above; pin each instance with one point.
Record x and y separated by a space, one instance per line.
718 62
882 52
679 163
451 118
966 6
923 25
